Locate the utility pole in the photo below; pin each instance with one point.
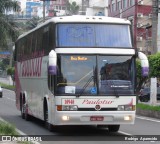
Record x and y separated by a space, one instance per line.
44 10
158 36
154 25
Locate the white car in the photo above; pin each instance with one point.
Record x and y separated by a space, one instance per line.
1 92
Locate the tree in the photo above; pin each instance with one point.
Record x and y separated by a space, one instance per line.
7 28
154 70
32 23
72 8
154 63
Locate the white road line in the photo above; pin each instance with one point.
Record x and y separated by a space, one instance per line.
148 119
8 90
125 133
10 99
20 132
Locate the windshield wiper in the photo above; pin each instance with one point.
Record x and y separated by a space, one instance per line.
85 86
87 83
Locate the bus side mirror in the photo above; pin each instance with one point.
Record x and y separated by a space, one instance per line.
52 66
144 64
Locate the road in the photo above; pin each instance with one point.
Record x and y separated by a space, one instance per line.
68 135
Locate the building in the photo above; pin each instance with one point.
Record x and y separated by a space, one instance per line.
139 12
57 8
32 8
97 7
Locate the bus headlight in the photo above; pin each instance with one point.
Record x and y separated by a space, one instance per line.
69 108
126 108
120 108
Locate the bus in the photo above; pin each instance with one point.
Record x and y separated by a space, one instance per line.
78 70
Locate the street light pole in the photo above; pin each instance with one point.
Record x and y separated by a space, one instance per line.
154 26
43 10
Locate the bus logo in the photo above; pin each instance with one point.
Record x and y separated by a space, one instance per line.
97 107
69 101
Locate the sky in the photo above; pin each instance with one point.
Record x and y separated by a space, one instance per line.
23 3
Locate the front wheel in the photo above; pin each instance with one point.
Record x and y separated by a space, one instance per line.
113 128
46 123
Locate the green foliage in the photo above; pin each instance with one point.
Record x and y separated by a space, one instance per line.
72 8
148 107
32 23
4 63
10 71
7 129
10 87
8 29
154 63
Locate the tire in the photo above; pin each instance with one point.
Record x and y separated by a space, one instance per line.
113 128
1 94
102 126
26 115
46 123
22 111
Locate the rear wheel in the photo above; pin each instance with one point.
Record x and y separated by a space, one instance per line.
22 108
1 94
22 112
26 115
113 128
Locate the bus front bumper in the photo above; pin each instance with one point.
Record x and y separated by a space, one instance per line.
93 118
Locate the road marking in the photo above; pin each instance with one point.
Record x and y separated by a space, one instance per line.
20 132
148 119
125 133
8 90
10 99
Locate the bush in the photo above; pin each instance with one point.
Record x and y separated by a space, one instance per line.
10 71
7 129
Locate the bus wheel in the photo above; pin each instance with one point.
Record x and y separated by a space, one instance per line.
113 128
26 115
22 111
102 126
46 123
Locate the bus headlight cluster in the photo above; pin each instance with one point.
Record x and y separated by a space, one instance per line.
126 107
69 108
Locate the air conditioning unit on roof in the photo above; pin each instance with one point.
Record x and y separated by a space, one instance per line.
140 15
150 15
140 2
149 38
139 25
139 38
140 49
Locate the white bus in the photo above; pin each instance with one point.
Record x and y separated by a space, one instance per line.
78 70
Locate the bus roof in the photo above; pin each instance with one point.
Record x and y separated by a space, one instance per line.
80 19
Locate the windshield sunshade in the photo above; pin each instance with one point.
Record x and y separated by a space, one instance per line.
93 35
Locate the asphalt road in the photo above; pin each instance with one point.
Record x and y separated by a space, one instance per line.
77 134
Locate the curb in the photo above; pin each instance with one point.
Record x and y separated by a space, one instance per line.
148 113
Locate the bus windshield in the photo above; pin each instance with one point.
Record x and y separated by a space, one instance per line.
95 75
93 35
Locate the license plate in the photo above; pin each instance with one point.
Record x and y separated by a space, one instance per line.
96 118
